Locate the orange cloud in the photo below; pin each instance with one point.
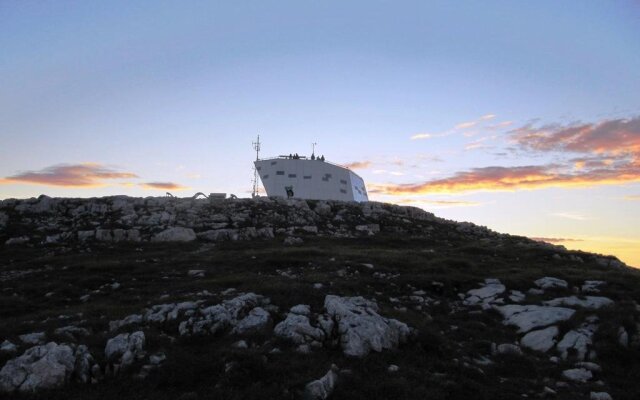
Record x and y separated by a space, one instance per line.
632 197
449 203
358 165
163 186
83 175
616 137
513 178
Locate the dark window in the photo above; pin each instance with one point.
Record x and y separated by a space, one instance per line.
265 176
279 172
343 191
307 177
343 181
274 162
292 175
324 178
328 175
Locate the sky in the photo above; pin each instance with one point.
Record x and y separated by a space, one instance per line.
520 116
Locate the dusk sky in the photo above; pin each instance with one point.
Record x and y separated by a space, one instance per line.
521 116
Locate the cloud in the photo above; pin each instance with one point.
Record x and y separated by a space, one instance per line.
83 175
614 137
635 197
358 165
497 178
554 240
465 125
570 215
444 203
488 117
163 186
418 136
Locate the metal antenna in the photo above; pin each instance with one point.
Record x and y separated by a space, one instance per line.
313 151
256 147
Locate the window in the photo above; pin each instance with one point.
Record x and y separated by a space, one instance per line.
274 162
279 172
324 178
343 191
328 175
292 175
265 176
343 181
306 177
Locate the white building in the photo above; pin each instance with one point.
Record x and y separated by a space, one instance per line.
305 178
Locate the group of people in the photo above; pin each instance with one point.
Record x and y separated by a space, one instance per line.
313 157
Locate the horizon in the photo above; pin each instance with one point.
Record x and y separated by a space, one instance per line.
524 118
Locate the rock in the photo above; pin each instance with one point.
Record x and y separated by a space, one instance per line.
8 347
158 358
393 368
297 329
579 375
72 332
33 338
257 321
600 396
322 388
508 349
195 273
131 319
360 327
103 235
124 348
592 286
528 317
292 241
588 302
577 341
591 366
301 309
623 337
551 283
175 234
40 367
17 241
517 296
541 340
486 294
318 286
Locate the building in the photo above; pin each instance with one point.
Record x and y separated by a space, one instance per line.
310 178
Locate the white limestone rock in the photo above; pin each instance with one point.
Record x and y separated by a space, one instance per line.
592 286
257 321
600 396
507 349
322 388
541 340
128 320
517 296
551 283
485 294
297 329
528 317
44 367
33 338
8 347
588 302
124 348
579 375
577 341
175 234
360 327
301 309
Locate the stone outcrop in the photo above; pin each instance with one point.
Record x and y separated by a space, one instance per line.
528 317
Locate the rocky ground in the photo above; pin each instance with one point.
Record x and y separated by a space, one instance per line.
266 299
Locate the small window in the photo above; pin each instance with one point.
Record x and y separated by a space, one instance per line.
279 172
343 181
328 175
324 178
292 175
274 162
265 176
306 177
259 168
343 191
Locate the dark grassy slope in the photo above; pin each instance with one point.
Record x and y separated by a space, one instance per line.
431 365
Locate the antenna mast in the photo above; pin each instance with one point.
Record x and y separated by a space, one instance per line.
256 147
313 148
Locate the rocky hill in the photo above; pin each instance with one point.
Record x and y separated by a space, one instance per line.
268 298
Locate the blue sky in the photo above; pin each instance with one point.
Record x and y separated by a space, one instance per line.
175 91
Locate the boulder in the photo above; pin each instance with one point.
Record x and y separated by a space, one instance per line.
322 388
360 327
541 340
588 302
485 294
577 341
297 329
551 283
579 375
33 338
257 321
8 347
528 317
600 396
124 348
44 367
175 234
